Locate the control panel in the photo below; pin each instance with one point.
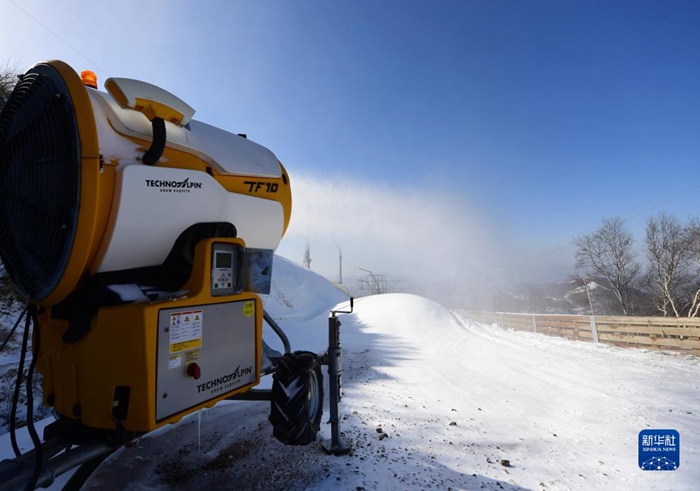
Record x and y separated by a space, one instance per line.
224 269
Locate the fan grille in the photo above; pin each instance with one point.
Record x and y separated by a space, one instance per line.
39 181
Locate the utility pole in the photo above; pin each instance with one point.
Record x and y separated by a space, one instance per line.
340 259
307 255
588 292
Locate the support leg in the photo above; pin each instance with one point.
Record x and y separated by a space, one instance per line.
337 445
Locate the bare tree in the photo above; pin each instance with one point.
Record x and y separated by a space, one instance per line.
608 252
669 251
8 78
693 231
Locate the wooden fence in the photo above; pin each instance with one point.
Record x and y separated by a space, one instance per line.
656 333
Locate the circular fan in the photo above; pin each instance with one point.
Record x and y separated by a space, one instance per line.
40 167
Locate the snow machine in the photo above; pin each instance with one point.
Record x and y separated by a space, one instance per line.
142 239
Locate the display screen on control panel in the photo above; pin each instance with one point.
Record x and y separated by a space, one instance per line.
224 271
224 260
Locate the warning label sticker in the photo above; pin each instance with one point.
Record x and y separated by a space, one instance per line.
175 361
192 356
186 330
248 309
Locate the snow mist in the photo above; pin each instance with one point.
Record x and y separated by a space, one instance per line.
425 240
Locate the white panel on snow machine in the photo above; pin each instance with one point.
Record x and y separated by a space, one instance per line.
226 152
220 339
235 154
153 205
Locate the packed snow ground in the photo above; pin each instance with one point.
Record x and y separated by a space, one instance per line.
434 401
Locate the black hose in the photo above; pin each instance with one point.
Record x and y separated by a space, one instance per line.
12 331
157 144
59 465
38 449
18 385
278 330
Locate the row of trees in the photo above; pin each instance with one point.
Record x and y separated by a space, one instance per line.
668 279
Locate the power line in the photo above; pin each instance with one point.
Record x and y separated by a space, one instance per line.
661 204
543 255
60 38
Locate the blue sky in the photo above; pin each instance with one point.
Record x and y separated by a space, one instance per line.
531 120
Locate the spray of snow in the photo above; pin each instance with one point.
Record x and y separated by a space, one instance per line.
424 236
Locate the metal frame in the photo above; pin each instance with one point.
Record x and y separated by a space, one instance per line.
334 359
57 457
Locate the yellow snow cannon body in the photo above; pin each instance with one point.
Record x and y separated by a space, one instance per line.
143 238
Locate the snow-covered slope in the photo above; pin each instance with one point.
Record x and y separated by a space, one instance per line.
432 401
299 294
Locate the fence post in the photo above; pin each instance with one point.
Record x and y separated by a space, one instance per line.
501 314
594 330
534 323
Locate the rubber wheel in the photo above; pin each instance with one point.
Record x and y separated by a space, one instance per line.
297 398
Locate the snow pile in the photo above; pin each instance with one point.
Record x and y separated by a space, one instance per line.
404 313
298 294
